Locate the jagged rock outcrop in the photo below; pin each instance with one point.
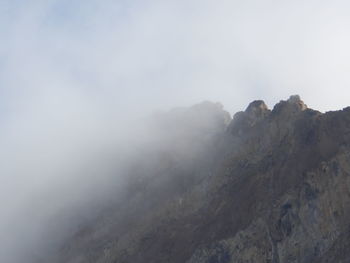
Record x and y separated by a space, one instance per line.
270 186
243 121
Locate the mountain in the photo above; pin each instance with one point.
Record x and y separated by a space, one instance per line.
266 186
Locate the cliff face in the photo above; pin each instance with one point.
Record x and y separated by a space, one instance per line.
266 186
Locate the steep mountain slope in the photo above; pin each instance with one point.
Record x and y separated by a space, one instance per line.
267 186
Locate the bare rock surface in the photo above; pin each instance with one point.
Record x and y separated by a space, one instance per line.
267 186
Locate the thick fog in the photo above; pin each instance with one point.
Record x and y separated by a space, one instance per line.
79 78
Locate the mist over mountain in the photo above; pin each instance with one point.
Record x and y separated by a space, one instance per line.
264 186
103 158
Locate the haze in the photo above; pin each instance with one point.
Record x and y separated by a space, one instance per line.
78 78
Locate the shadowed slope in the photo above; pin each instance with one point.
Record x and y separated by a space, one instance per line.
270 186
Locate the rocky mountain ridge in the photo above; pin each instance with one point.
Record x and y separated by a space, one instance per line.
267 186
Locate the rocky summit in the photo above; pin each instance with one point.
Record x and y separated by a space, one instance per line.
269 186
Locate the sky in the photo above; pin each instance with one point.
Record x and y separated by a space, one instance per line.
142 55
74 74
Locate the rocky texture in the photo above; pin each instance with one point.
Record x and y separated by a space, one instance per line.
243 121
270 186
